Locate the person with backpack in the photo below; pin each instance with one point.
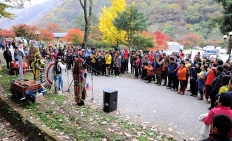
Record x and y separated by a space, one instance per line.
171 73
216 84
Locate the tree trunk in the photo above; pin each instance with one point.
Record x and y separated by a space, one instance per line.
130 40
87 17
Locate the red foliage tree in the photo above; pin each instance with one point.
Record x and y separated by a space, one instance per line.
53 27
160 40
190 40
46 35
7 33
74 36
26 31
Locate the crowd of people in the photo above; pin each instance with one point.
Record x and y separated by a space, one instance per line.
209 80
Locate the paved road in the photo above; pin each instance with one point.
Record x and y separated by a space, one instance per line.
174 114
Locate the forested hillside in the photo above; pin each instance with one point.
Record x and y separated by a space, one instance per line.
174 17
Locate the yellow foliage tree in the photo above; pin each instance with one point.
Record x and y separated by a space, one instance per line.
110 33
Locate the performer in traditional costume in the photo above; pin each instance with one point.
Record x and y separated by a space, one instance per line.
59 66
79 77
38 67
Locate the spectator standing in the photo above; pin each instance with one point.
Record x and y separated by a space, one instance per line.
159 66
182 78
117 64
108 60
126 55
8 57
171 73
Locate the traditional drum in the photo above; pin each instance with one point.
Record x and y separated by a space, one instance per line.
27 87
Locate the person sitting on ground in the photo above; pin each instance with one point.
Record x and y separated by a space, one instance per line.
223 107
221 128
150 73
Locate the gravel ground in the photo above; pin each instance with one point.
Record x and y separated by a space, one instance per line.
7 133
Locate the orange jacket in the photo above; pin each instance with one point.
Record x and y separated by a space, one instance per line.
149 70
210 77
182 74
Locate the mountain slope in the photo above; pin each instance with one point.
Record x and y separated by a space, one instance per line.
30 15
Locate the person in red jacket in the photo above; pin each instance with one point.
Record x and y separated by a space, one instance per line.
137 63
210 75
223 107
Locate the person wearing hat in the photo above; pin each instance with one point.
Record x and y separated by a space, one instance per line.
8 57
59 66
182 77
79 77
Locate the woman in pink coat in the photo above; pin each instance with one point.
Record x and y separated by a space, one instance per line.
223 108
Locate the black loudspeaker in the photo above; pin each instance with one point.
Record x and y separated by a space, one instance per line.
110 100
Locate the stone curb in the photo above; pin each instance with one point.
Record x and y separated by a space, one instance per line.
31 129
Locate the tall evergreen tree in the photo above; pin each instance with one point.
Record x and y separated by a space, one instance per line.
131 21
225 21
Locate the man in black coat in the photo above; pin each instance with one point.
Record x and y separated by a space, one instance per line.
7 55
193 77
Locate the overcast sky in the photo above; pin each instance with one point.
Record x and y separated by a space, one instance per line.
26 5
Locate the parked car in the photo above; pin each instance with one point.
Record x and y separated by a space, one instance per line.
222 51
204 48
207 53
218 48
197 48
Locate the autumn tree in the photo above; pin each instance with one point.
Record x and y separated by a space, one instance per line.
142 41
131 21
160 40
74 36
10 4
190 40
46 35
95 33
7 33
25 32
53 27
87 8
111 35
4 13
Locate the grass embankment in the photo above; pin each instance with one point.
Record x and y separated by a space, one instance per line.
59 115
